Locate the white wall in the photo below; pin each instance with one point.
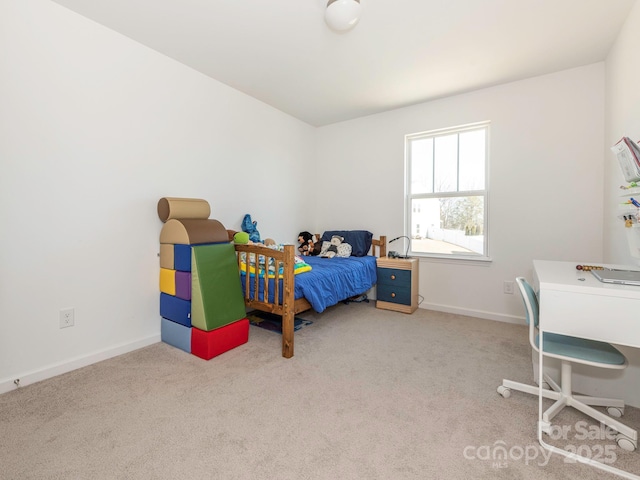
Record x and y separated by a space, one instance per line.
94 129
545 182
622 118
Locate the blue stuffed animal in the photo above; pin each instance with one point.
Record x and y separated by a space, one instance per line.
251 228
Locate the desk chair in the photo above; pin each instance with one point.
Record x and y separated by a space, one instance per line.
571 350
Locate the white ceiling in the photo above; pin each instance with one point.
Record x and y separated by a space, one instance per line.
402 52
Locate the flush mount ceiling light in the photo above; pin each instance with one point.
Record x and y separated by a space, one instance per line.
342 15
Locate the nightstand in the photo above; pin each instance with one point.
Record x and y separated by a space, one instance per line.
397 284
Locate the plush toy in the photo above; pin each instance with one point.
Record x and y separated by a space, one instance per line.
303 243
308 244
251 228
332 251
241 238
336 248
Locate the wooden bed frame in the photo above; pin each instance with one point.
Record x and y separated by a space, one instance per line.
289 307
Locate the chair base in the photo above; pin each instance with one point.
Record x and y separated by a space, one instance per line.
627 437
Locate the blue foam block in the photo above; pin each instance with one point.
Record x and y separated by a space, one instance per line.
176 335
182 257
175 309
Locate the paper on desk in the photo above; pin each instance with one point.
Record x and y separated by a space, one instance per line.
628 154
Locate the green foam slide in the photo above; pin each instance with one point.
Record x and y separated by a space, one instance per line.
216 292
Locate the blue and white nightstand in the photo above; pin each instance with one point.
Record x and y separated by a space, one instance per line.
397 284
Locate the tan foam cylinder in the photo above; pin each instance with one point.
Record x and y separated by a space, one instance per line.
173 207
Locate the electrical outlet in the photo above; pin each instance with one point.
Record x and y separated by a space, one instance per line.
67 317
507 287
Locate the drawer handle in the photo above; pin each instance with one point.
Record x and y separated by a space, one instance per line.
393 277
393 295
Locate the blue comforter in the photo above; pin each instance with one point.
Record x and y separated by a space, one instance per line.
330 280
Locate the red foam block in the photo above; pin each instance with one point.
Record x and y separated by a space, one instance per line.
215 342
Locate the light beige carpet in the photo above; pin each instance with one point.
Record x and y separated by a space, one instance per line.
369 394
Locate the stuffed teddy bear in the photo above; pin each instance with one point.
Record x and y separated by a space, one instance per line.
336 248
307 244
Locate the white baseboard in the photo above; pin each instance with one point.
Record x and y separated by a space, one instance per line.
27 378
498 317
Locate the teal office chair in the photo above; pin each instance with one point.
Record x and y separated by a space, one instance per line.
570 350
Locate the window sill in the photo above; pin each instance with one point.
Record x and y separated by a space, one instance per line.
454 259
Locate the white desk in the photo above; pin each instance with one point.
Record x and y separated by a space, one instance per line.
574 302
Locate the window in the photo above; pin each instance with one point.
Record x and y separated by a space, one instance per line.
446 185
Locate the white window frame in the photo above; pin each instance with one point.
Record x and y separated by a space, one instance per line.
409 197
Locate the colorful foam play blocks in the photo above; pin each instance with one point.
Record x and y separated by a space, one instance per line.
216 291
166 256
210 344
175 283
199 279
176 334
183 285
175 309
182 257
168 281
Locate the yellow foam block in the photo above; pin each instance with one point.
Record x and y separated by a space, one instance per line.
168 281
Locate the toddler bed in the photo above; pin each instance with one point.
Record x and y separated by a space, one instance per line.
282 291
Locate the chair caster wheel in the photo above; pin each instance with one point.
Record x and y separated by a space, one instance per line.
616 412
626 443
504 391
